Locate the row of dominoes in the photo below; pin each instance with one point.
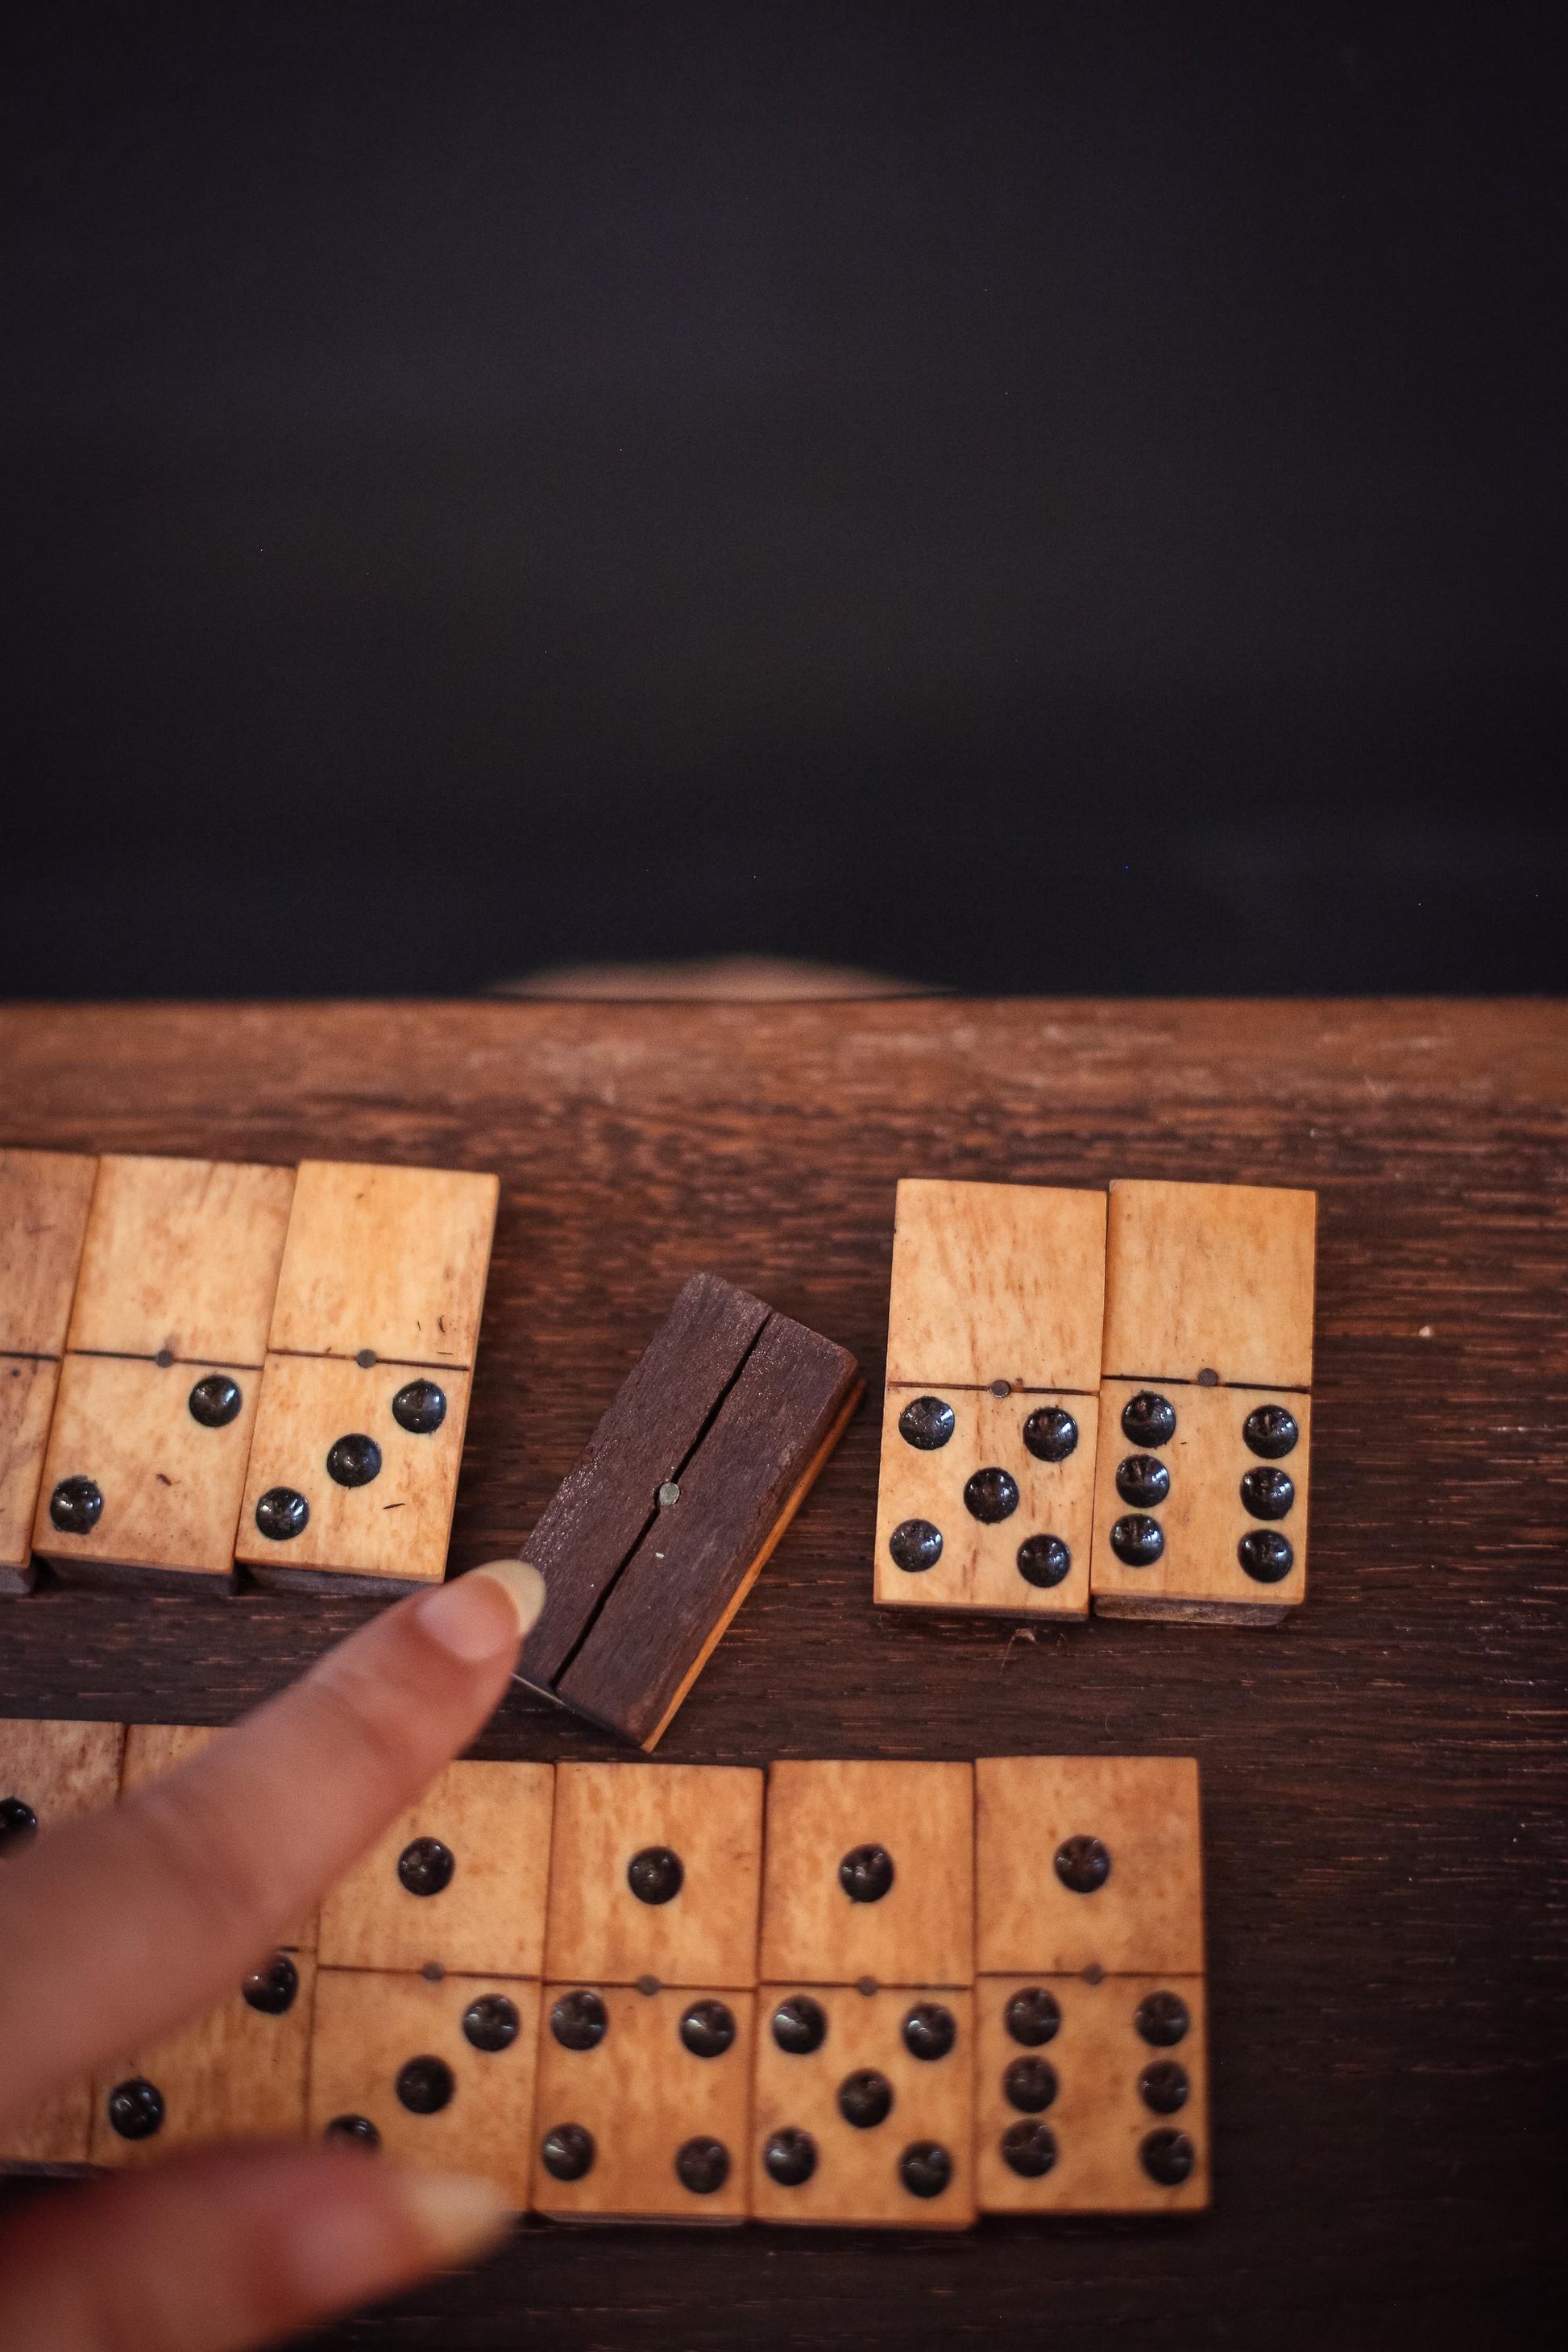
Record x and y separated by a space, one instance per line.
1088 1399
881 1993
1097 1398
203 1363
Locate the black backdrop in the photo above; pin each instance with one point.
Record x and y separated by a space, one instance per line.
1056 498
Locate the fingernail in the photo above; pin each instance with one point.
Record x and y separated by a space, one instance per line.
489 1610
458 2215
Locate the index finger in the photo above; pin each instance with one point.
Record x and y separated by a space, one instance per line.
115 1929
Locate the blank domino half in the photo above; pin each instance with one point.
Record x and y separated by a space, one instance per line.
1206 1410
986 1495
45 1197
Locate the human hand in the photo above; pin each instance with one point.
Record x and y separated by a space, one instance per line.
116 1928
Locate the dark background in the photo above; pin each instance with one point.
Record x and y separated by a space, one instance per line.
1060 499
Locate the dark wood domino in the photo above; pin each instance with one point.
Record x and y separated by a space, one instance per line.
654 1541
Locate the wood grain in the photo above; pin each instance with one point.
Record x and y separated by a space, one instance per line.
1148 1913
1203 1518
786 1410
369 2024
383 1277
602 1508
171 1485
920 1931
180 1255
851 1397
238 2073
54 2136
858 2179
27 1389
384 1536
178 1267
642 2094
153 1748
389 1259
1209 1278
996 1282
978 1566
45 1197
599 1932
1386 1847
1097 2117
61 1770
494 1820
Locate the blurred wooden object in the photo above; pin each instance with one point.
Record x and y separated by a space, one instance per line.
707 980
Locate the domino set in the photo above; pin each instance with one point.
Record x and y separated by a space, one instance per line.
895 1994
209 1362
217 1370
1091 1400
855 1993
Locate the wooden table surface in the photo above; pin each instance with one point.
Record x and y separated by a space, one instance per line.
1385 1824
